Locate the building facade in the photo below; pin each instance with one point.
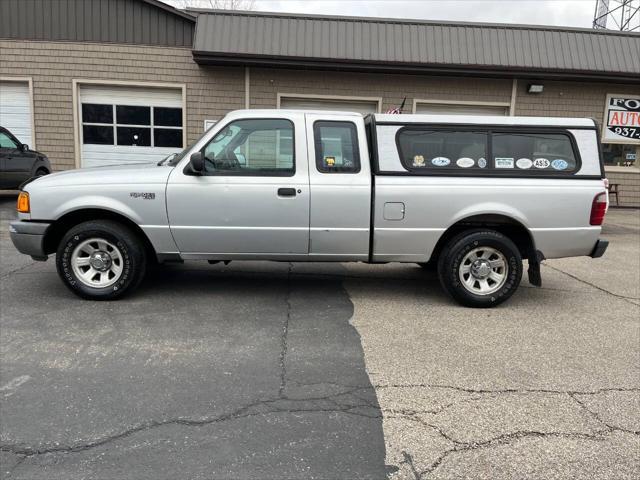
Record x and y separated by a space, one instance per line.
95 82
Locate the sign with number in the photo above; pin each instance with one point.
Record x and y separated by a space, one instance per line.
621 119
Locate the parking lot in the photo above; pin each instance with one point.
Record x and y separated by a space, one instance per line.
286 371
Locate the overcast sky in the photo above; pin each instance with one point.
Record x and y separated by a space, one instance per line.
576 13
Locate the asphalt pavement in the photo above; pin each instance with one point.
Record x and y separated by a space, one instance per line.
337 371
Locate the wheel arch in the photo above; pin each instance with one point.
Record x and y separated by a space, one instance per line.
507 225
70 219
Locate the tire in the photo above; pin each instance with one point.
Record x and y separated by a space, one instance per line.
41 172
469 268
116 266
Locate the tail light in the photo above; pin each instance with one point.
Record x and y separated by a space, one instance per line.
598 209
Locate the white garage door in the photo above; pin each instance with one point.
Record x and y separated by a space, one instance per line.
460 109
122 125
15 110
360 106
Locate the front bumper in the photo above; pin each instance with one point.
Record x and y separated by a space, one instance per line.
28 238
599 249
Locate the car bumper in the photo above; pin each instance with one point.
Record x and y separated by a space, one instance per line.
28 238
599 249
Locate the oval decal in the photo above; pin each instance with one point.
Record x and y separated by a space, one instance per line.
541 163
482 162
560 164
441 161
524 163
465 162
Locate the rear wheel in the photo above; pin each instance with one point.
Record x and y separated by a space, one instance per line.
41 171
480 268
101 260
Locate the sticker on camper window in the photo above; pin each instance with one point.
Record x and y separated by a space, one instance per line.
504 162
541 163
329 161
418 161
482 162
465 162
560 164
441 161
524 163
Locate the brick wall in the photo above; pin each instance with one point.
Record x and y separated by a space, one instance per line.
211 91
628 180
568 99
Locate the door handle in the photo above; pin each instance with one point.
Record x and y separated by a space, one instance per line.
286 192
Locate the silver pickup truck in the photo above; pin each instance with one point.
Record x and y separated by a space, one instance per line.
470 197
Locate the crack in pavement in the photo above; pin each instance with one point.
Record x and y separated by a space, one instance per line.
506 439
461 446
622 297
250 410
508 390
597 417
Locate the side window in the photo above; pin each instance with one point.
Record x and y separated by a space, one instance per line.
252 147
336 145
426 150
533 152
6 141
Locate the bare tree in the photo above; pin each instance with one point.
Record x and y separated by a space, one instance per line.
215 4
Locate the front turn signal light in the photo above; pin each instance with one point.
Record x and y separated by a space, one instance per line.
23 205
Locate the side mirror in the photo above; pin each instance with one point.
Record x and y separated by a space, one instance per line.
24 147
197 162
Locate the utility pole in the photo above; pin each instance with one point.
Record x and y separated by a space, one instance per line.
622 15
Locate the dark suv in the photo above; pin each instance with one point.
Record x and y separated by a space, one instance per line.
18 163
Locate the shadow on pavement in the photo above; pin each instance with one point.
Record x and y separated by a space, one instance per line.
200 374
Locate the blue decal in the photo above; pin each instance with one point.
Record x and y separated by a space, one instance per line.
559 164
441 161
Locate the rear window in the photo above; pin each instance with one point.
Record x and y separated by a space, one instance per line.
429 150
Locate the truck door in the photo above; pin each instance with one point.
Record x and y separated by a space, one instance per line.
340 182
252 199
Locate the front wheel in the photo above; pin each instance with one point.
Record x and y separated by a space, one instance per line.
101 260
480 268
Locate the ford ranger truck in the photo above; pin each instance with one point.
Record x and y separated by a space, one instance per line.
470 197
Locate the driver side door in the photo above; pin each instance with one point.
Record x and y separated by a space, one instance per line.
251 200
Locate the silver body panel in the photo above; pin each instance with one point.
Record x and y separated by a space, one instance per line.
329 218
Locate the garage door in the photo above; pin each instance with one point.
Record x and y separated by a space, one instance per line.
15 110
360 106
129 125
457 109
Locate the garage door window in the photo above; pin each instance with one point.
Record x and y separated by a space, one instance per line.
132 125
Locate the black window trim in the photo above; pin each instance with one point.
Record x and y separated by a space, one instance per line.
490 171
317 138
264 173
115 125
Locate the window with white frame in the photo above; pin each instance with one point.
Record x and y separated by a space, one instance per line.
132 125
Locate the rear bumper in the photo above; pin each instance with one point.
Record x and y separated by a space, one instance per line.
28 238
599 249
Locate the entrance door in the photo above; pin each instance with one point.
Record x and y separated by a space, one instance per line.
252 198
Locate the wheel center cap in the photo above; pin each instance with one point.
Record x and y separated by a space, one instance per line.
480 269
101 261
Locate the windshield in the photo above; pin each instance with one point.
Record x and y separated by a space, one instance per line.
173 159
